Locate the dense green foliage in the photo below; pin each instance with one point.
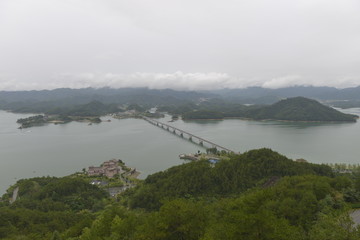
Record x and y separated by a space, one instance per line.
37 120
40 120
299 207
258 195
226 178
48 204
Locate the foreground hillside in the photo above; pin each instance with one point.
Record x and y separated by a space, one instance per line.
256 195
226 178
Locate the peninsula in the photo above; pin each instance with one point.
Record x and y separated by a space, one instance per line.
40 120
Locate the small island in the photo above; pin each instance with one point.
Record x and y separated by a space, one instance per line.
41 120
89 113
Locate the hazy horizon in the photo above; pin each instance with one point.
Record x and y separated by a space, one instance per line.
166 88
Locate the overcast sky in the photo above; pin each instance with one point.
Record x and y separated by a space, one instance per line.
181 44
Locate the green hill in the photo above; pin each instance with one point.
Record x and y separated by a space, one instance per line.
257 195
227 178
290 109
300 109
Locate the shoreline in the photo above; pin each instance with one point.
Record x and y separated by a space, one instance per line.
265 120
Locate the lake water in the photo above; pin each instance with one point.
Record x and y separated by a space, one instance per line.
58 150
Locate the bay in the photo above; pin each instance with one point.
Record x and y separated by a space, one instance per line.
58 150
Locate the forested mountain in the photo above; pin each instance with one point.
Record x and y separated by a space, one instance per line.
191 105
299 109
259 95
47 100
258 195
291 109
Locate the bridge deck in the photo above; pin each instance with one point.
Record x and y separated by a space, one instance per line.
200 139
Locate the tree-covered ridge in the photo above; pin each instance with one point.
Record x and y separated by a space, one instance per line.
291 109
143 96
94 108
258 195
300 109
65 99
297 208
226 178
47 204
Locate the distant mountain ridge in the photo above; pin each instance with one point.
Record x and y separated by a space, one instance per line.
105 94
111 94
45 100
259 95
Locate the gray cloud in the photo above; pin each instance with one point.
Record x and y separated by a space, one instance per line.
179 44
177 80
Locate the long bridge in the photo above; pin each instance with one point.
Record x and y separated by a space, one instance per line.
181 133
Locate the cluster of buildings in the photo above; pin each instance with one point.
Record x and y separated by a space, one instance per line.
109 169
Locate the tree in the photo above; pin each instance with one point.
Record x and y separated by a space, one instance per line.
56 236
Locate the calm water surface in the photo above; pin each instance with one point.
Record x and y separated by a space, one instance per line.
59 150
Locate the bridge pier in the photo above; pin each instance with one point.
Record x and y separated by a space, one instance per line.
195 139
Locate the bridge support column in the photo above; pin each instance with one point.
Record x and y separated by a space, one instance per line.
189 136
